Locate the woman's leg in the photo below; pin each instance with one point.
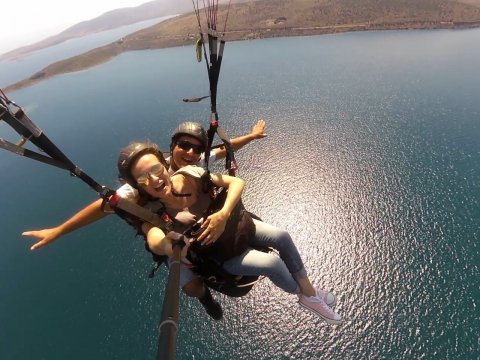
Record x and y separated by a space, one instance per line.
254 262
267 235
315 300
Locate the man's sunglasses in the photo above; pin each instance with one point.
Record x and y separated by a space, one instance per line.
156 170
187 145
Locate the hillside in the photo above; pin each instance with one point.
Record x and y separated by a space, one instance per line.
109 20
273 18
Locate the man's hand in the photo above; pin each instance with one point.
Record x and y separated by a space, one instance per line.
258 130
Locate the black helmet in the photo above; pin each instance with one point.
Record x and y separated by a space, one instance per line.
129 154
192 129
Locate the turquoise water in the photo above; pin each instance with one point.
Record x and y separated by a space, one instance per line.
372 163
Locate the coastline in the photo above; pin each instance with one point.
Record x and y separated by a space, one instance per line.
148 39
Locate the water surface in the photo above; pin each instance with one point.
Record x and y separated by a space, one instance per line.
372 162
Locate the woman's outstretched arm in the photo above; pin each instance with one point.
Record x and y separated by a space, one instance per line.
89 214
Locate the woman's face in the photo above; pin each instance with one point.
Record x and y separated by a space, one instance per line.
186 151
152 176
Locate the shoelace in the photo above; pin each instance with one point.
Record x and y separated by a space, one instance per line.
316 299
320 294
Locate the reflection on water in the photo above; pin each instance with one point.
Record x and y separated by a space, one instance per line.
373 172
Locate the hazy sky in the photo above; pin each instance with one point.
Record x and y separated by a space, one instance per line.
27 21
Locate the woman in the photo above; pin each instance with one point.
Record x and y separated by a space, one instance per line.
144 168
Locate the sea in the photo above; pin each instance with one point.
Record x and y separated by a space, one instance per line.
372 163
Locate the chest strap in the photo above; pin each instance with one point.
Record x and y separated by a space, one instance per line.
162 220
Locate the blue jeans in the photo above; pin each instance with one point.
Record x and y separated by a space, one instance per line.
282 271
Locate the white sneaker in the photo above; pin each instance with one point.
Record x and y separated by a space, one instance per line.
329 298
318 306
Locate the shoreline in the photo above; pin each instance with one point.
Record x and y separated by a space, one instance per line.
133 42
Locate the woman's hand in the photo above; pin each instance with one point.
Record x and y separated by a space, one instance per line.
172 237
44 237
213 227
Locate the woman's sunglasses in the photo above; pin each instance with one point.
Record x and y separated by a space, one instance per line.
187 145
156 170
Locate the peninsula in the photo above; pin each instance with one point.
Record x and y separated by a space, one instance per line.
279 18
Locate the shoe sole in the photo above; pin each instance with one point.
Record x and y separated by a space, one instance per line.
327 320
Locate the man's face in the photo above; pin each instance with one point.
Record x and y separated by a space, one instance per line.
186 151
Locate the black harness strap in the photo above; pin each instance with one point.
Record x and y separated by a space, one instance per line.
162 221
16 149
22 124
230 162
195 99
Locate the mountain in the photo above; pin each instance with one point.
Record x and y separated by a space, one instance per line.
272 18
107 21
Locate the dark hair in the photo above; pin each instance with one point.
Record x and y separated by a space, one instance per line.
131 153
190 128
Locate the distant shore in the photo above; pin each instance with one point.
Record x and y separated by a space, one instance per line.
134 42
